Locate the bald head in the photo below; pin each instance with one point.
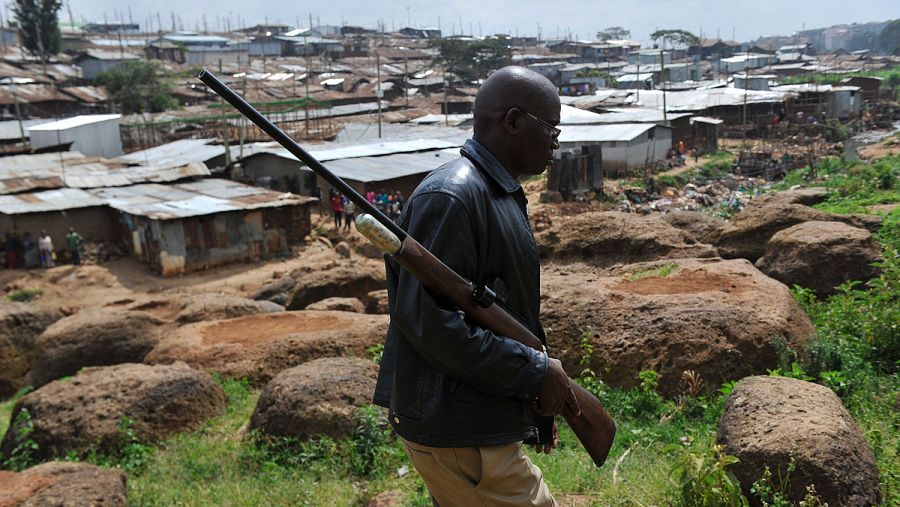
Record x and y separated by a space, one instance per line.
513 87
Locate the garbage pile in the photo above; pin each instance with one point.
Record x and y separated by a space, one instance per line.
729 195
98 253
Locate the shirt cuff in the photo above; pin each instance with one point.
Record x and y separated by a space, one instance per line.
536 372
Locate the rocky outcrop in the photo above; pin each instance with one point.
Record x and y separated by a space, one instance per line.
820 255
316 398
716 317
201 307
338 305
747 234
64 484
20 325
769 421
697 225
90 409
93 337
377 302
258 347
353 277
608 238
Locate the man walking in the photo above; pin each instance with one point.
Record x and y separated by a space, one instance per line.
73 243
462 398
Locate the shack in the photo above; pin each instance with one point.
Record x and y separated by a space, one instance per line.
182 228
57 210
625 147
94 62
93 135
381 167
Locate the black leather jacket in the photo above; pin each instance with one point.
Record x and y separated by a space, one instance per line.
447 381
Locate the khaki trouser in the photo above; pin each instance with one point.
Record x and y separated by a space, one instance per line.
476 476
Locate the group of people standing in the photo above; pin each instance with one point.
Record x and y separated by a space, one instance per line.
344 210
25 252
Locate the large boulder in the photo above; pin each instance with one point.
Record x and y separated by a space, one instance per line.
695 224
377 302
338 304
88 410
93 337
316 398
200 307
607 238
64 484
769 421
20 325
258 347
820 255
354 277
716 317
747 234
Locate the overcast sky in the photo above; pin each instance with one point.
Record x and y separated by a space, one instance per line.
746 19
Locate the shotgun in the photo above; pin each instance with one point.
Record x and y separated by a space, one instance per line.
591 423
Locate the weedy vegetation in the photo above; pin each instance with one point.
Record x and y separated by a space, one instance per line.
664 453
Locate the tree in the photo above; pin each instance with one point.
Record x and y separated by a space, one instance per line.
474 60
139 86
613 33
39 26
889 40
682 37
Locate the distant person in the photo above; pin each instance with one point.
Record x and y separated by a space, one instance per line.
337 209
13 246
45 247
349 213
74 242
30 252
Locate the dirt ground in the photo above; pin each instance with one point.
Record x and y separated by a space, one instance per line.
129 281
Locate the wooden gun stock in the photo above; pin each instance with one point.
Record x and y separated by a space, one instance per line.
594 427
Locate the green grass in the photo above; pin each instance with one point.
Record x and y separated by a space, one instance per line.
25 294
659 272
856 353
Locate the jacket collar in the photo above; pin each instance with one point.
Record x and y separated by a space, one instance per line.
483 158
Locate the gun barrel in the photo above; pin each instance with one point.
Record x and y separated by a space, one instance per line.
221 89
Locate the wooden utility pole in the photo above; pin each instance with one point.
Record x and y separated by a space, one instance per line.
378 92
662 73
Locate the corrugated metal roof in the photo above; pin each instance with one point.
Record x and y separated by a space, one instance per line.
369 169
698 100
354 150
50 200
176 153
72 169
358 132
452 119
89 94
602 133
573 116
205 197
636 115
76 121
32 94
107 55
195 39
813 87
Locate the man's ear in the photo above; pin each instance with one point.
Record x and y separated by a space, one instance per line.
511 120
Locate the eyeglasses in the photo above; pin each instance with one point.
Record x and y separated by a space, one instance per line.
554 132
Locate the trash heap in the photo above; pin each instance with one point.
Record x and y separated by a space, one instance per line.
726 195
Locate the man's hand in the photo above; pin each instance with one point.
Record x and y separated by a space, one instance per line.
548 448
555 391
